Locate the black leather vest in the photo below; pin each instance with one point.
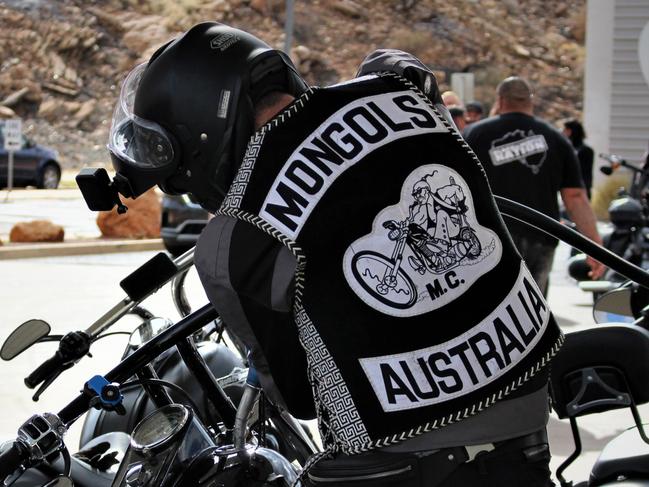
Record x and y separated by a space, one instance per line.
413 306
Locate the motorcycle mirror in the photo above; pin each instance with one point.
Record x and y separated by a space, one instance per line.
60 482
146 331
24 337
614 306
608 170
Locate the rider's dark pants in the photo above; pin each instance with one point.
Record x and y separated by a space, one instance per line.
519 462
506 466
538 257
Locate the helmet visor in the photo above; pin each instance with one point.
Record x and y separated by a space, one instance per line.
134 140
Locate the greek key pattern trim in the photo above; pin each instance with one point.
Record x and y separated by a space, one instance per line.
238 187
344 424
338 420
240 183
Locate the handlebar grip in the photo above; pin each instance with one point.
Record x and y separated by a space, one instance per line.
12 459
44 371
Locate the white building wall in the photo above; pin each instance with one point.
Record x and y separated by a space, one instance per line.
598 74
616 91
629 122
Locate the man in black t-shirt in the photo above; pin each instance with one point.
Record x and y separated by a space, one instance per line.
528 161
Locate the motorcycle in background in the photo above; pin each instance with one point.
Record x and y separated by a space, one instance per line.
628 233
605 368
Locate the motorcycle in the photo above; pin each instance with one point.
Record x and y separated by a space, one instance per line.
427 253
602 369
158 388
628 234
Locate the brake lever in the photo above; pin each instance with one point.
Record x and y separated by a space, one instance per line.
46 384
50 338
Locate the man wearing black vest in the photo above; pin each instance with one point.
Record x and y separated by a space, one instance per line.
357 251
529 161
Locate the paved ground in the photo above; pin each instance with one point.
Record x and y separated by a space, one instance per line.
70 293
63 207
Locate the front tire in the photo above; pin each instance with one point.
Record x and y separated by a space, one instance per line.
369 267
50 176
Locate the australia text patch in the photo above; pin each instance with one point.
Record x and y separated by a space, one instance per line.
466 363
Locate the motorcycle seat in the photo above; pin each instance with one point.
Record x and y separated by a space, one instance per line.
626 455
615 358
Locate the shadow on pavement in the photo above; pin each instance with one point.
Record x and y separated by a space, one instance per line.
561 443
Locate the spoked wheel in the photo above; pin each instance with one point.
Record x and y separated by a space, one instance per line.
371 271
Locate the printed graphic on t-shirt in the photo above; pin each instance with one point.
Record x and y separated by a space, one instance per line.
517 146
426 250
467 362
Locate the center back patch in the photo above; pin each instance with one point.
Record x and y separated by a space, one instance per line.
425 251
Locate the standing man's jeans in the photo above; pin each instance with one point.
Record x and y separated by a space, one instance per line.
538 257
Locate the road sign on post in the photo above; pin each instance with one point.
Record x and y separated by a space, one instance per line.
462 84
13 141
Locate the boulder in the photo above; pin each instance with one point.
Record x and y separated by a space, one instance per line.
142 220
52 109
86 109
6 112
36 231
350 9
267 7
144 32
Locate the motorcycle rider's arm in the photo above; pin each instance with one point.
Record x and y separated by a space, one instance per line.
248 277
411 68
576 202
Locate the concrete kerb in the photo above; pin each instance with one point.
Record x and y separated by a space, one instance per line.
77 247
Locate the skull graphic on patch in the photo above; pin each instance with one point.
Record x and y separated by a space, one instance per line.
424 251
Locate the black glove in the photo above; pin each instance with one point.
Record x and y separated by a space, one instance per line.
406 65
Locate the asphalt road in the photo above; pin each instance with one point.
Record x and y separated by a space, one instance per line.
71 292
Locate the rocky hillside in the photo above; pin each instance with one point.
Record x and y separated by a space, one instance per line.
63 60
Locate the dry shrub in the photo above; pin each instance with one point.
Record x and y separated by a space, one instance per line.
176 12
606 191
412 41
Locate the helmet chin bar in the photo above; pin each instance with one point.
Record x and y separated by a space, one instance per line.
100 193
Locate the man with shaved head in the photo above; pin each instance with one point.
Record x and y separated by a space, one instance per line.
528 161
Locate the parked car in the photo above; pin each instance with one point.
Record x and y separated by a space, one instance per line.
182 223
34 165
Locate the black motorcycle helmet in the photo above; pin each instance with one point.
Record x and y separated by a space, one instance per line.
184 119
